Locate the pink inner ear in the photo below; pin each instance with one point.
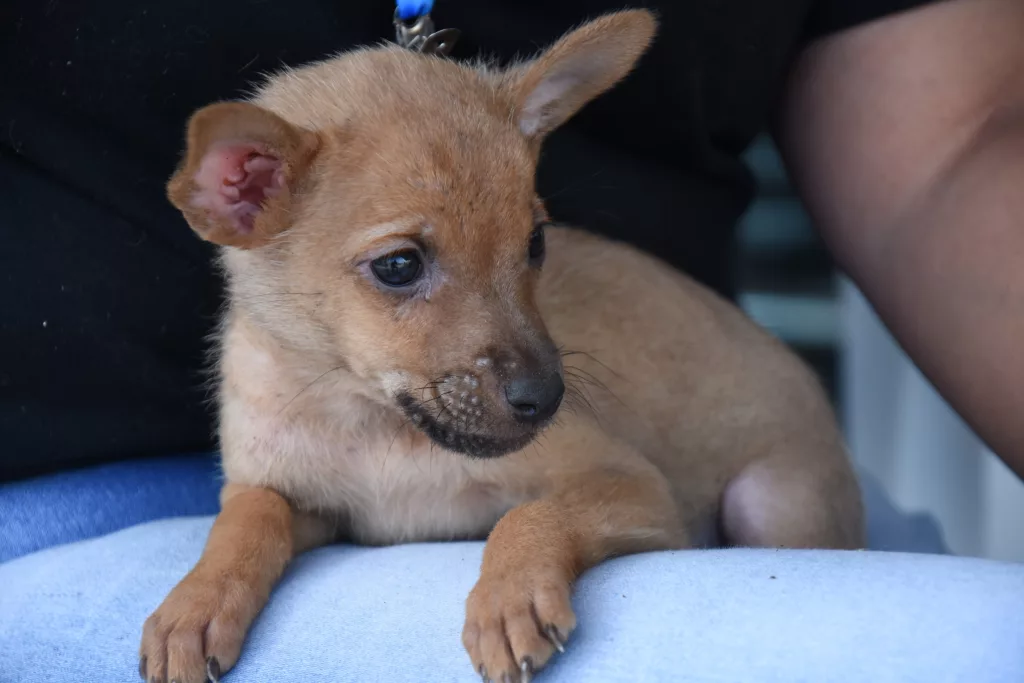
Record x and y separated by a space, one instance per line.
235 180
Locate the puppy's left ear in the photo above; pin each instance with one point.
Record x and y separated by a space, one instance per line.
241 174
579 67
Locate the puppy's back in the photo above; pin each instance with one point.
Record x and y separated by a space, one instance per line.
671 367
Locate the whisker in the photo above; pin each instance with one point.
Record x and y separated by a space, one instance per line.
443 410
393 439
586 379
305 388
582 383
578 399
586 354
536 446
589 376
425 403
583 380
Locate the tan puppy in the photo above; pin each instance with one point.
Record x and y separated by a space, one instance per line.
393 349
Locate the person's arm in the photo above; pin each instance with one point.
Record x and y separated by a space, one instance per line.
905 138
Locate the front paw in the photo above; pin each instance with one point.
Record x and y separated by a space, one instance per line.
197 633
516 621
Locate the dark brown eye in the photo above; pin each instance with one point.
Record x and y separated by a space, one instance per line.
399 269
536 248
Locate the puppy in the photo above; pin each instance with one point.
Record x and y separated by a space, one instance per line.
404 322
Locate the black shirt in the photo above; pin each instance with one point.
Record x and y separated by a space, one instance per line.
107 297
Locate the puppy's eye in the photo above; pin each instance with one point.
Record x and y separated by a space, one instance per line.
536 248
399 269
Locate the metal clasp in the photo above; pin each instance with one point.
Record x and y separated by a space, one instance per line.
419 35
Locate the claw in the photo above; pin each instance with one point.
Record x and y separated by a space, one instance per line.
526 669
142 667
551 631
213 670
483 674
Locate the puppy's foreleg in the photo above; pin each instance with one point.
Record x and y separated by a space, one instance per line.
198 630
519 613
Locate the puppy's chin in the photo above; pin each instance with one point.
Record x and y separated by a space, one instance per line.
472 444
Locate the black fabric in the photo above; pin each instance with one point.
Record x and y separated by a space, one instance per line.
107 294
828 17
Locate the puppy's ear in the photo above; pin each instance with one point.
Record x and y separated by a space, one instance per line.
578 68
240 174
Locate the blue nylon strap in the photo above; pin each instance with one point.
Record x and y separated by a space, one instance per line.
410 9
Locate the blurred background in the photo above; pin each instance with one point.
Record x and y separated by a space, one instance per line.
899 430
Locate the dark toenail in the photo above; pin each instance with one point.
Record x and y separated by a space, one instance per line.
142 667
213 669
551 631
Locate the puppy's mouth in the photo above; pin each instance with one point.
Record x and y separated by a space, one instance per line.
448 433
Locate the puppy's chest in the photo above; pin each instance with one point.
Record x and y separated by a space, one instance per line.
421 496
392 490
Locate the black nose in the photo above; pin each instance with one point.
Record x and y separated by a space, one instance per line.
535 399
